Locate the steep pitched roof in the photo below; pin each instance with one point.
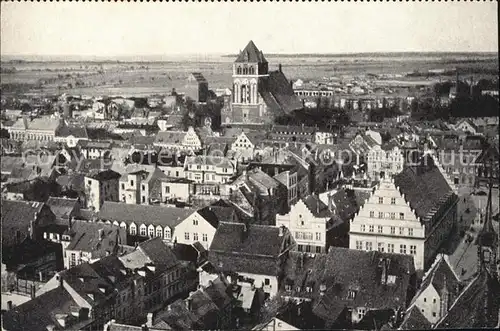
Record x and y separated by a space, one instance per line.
440 274
239 247
77 131
368 288
468 310
86 238
316 206
424 186
39 312
303 270
16 217
278 94
251 54
414 320
147 214
62 207
216 214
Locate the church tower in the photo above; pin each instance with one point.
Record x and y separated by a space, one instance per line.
247 69
488 241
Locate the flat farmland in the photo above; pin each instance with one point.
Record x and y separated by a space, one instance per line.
160 77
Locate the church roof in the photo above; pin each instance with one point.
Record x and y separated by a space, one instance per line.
251 54
278 93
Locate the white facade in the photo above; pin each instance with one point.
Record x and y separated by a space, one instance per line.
390 162
99 191
388 224
195 228
213 170
243 147
308 231
323 138
175 190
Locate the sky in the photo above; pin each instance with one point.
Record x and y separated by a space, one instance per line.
131 29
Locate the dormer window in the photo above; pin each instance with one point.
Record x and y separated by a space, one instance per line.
288 288
308 289
351 294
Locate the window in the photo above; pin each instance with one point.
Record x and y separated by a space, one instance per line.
363 228
372 214
433 314
393 201
425 299
368 246
159 232
401 216
143 231
266 281
410 232
318 236
359 244
380 214
300 248
167 233
380 229
133 230
393 216
195 221
380 200
401 231
402 249
123 186
167 189
204 237
393 230
143 187
380 247
361 313
131 183
151 232
390 248
195 236
143 199
186 235
370 228
434 300
318 249
413 250
351 294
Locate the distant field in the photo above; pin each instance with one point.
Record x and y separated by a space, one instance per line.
146 78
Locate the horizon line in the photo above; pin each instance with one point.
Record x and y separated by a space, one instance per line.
271 54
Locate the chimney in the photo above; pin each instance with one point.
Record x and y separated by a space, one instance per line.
383 266
188 304
279 68
101 234
33 290
60 279
149 322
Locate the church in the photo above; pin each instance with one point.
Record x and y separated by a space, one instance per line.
259 96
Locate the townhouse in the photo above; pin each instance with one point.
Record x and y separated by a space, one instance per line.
209 169
410 214
385 160
141 187
179 140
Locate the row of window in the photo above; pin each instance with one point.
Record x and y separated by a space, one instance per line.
368 246
381 200
307 235
380 229
309 248
390 215
187 236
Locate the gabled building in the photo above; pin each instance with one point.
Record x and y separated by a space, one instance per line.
258 95
411 214
253 252
87 242
64 209
179 140
440 286
385 160
309 223
71 134
43 129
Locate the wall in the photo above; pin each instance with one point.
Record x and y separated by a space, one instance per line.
195 231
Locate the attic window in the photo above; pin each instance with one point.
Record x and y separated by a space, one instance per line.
288 288
351 294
